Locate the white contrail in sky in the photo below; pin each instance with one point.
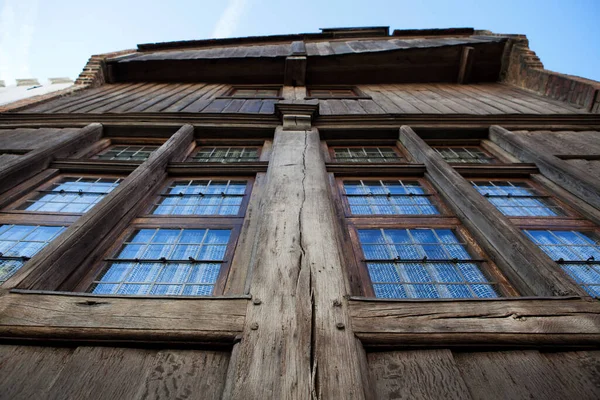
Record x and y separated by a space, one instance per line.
17 25
230 18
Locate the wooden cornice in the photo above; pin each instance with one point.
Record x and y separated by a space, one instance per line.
268 121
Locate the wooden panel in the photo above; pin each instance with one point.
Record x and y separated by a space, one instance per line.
513 375
592 167
578 372
185 374
102 373
29 139
565 142
28 372
74 317
477 322
418 375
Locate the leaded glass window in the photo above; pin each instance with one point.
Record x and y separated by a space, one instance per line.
517 199
366 154
127 152
201 197
70 195
422 263
467 154
403 197
162 261
18 243
578 253
226 154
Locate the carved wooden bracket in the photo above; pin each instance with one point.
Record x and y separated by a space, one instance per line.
297 115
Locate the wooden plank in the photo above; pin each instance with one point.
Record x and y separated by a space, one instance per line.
183 374
24 188
353 106
102 373
121 89
48 268
515 322
28 372
296 275
251 106
380 97
417 374
234 106
64 102
528 268
465 65
26 166
205 99
115 104
578 372
172 91
404 92
568 176
424 94
510 375
81 317
184 98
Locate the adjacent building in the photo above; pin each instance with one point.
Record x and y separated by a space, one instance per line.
350 214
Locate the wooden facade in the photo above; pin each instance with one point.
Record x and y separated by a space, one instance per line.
254 148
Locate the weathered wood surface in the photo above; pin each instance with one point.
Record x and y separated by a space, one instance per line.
297 276
31 372
564 142
526 375
97 318
426 98
30 139
416 375
568 175
53 264
17 170
530 270
526 322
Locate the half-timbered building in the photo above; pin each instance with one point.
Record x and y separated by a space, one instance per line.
350 214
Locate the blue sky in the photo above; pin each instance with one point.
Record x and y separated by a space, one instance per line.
54 38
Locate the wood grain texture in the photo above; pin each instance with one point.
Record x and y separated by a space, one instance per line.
297 276
528 268
471 322
185 374
418 375
97 318
513 375
574 179
24 167
52 265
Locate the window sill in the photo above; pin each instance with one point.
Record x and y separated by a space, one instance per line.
85 317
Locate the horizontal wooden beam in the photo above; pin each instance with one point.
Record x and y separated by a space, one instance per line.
523 322
99 166
195 168
497 170
92 318
354 169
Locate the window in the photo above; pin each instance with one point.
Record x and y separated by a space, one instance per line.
464 154
126 152
226 154
518 199
422 263
201 197
336 93
166 262
18 243
366 154
70 194
406 197
419 250
183 247
577 252
254 92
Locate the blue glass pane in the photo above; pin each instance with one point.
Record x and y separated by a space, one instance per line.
380 272
17 232
204 273
458 291
370 236
104 288
198 290
166 290
174 273
484 291
389 291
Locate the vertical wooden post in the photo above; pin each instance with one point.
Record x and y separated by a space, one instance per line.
298 341
573 179
24 167
60 258
530 270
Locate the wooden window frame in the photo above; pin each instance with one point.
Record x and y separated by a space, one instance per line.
243 206
12 207
445 220
199 147
428 187
358 94
230 94
150 221
403 159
